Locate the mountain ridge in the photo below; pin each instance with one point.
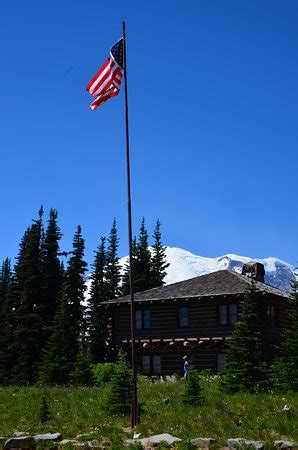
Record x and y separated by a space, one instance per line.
185 265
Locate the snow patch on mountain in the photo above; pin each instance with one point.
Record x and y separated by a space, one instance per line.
184 265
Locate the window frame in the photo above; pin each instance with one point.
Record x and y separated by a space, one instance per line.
155 362
148 364
181 317
229 315
141 319
222 306
234 314
146 320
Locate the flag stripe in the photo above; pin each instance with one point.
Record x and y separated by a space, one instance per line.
103 98
106 82
97 75
103 76
100 79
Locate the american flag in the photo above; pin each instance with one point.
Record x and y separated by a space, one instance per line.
106 83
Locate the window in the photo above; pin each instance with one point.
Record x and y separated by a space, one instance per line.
156 364
183 317
223 315
228 314
220 362
143 319
271 314
146 366
138 320
233 314
151 364
147 318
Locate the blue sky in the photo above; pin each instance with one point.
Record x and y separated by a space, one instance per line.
213 93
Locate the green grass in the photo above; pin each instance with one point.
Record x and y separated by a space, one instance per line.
80 410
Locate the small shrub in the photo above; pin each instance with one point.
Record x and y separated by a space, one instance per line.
119 397
192 390
82 374
44 413
103 373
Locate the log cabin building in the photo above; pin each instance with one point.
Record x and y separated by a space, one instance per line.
195 318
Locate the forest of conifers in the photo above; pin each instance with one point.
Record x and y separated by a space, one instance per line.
50 332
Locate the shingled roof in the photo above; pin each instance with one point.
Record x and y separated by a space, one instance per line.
223 282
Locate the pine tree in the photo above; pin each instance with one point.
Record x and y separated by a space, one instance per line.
27 292
5 283
5 279
120 395
159 263
98 294
141 264
142 274
82 373
44 412
192 390
52 276
285 368
57 362
12 306
112 274
125 288
75 289
246 370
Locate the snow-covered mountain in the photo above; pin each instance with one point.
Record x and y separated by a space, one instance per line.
184 265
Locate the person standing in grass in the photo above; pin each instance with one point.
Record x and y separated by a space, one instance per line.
185 367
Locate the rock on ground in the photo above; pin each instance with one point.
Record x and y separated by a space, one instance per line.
20 442
54 437
202 442
286 444
238 442
19 434
153 441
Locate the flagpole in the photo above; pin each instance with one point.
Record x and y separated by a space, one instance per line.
134 408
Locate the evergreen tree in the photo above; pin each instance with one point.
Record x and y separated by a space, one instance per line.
75 289
44 412
246 370
98 294
82 373
125 288
52 276
285 368
12 305
192 389
5 279
57 363
120 394
159 263
27 297
5 282
112 273
142 274
141 264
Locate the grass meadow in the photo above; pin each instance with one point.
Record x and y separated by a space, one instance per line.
79 410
